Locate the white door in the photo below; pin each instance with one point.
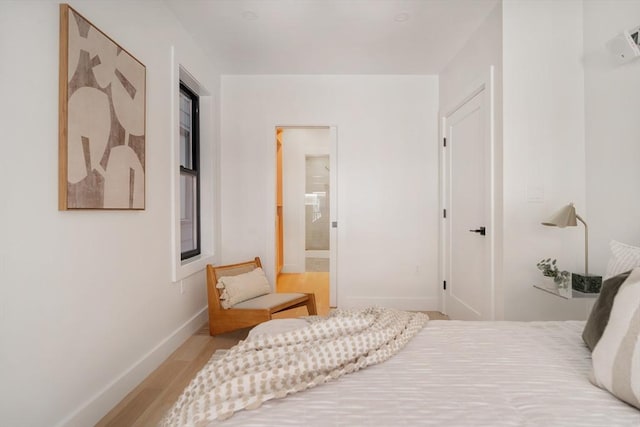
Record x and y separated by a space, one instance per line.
467 227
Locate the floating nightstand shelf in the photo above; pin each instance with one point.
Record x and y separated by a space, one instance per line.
566 293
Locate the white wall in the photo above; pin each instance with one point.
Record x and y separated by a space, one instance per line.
612 101
570 135
543 150
87 307
387 177
296 145
457 79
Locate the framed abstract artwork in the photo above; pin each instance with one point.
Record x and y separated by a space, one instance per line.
102 119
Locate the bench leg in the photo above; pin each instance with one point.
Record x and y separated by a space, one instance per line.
311 305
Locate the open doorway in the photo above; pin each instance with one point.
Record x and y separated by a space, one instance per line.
306 212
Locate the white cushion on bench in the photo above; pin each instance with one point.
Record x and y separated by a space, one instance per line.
268 301
242 287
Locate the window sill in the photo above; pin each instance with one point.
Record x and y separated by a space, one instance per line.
191 266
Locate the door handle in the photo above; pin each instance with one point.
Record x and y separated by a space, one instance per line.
481 230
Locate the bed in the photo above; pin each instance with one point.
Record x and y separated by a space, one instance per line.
459 373
443 372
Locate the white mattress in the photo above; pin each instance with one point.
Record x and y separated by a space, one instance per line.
458 373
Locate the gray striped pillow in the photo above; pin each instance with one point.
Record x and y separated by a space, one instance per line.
616 357
623 258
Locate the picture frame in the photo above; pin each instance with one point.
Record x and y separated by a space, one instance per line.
102 120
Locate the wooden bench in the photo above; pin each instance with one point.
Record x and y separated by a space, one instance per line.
251 312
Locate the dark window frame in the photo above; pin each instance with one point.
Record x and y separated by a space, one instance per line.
194 171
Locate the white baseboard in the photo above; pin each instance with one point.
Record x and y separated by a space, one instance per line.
410 304
97 406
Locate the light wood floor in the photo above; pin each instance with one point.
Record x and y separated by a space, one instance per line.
148 402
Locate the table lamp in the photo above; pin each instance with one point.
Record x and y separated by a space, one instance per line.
566 217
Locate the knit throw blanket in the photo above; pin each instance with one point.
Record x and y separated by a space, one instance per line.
273 366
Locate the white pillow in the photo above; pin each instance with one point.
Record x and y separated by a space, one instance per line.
616 357
623 258
242 287
276 326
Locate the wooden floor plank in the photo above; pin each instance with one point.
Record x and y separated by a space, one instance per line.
191 348
131 412
436 315
174 387
165 373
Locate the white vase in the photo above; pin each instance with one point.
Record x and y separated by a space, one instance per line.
565 284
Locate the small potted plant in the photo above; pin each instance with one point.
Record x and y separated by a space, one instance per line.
549 269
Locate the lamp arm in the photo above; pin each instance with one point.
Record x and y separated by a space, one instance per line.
586 245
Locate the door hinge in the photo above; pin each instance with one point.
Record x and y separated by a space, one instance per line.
444 213
444 286
445 142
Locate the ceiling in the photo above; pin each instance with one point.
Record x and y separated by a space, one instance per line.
331 36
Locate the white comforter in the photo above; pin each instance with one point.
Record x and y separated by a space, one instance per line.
457 373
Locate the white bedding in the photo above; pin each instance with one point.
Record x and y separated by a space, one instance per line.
457 373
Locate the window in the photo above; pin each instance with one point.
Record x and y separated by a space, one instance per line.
189 174
195 222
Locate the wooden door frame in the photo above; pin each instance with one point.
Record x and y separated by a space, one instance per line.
333 201
484 83
279 241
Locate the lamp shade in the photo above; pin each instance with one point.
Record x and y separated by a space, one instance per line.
565 217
